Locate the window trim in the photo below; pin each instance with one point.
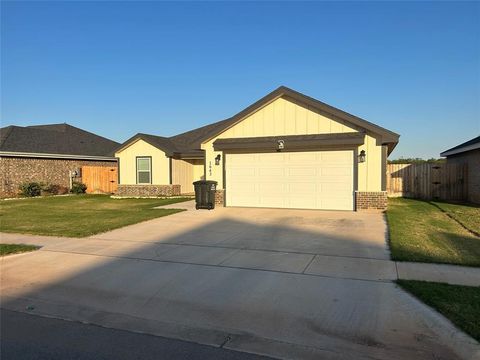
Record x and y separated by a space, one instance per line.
136 170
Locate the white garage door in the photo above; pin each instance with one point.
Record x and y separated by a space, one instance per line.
301 180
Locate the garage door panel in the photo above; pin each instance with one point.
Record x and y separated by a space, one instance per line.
245 159
242 172
336 189
335 157
275 158
336 171
337 204
273 172
303 157
304 180
244 188
301 172
271 189
303 202
247 201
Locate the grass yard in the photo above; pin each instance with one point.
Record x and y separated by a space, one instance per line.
460 304
8 249
420 231
467 215
78 216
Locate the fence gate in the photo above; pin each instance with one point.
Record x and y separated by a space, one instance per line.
100 179
428 181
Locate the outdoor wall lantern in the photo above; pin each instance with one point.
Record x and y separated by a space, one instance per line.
217 159
362 156
280 145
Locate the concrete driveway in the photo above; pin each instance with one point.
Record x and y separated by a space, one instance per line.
284 283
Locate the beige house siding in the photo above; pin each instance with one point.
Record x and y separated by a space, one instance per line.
128 163
287 117
185 172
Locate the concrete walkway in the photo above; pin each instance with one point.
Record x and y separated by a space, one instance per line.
345 267
443 273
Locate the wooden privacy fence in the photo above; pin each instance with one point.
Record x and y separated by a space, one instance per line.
428 181
100 179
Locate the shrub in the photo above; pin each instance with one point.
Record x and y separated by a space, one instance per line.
30 189
54 189
78 188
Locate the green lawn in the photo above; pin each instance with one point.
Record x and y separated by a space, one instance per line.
7 249
420 231
460 304
467 215
78 216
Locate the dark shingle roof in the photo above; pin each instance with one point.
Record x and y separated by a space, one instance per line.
462 147
190 141
62 139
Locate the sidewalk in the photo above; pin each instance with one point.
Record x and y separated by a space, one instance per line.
451 274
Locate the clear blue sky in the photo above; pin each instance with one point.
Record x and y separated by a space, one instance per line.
118 68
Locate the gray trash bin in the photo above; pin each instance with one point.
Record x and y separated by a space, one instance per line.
205 194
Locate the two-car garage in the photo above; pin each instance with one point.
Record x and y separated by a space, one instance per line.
299 180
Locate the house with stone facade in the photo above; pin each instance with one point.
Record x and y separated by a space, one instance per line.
50 154
468 153
287 150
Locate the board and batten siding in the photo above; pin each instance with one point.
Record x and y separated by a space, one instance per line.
185 172
288 117
128 163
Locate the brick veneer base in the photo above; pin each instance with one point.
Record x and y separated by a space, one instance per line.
220 197
148 190
16 170
367 200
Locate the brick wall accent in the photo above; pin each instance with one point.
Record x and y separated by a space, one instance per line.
148 190
219 197
367 200
16 170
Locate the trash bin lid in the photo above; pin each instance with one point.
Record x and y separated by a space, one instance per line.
205 182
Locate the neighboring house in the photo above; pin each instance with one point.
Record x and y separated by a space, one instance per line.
468 153
49 154
286 150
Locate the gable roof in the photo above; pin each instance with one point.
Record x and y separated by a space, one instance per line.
193 139
466 146
54 139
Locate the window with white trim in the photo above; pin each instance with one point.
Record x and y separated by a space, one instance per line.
144 170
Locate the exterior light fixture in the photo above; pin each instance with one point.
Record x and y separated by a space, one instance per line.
362 156
280 145
217 159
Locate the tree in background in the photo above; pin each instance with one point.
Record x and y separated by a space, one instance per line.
403 160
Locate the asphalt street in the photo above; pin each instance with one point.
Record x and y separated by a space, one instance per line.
28 337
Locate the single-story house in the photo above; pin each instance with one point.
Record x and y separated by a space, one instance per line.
468 153
51 154
287 150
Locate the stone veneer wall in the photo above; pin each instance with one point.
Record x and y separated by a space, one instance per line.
16 170
219 197
148 190
366 200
